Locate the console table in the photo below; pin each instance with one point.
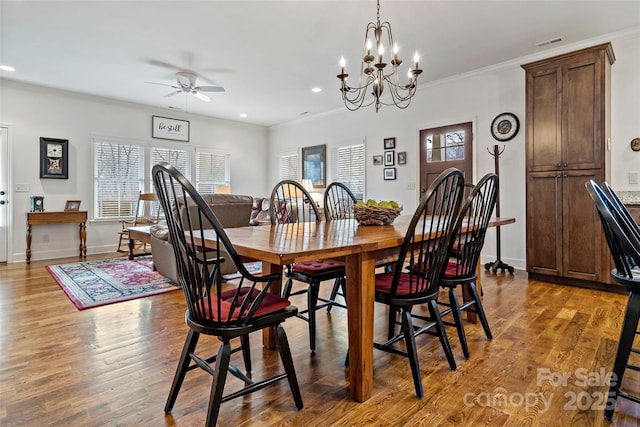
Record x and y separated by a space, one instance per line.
65 217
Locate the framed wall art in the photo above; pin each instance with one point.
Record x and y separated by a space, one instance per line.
389 174
389 143
314 164
166 128
54 158
377 160
389 158
72 205
402 157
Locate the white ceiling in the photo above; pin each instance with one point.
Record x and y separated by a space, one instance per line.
269 54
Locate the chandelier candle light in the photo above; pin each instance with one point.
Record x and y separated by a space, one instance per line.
372 77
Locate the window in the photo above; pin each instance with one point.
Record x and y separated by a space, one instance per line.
118 178
122 170
350 168
212 172
180 159
289 167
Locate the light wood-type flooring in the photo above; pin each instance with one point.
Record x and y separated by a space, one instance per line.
113 365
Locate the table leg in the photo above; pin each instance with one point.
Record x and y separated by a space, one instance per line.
29 244
83 239
360 269
268 334
132 244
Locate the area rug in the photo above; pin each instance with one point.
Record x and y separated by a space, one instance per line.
95 283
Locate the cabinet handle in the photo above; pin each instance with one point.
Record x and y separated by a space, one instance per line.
564 166
558 165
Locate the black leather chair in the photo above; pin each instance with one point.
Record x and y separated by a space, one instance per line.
214 307
624 246
291 203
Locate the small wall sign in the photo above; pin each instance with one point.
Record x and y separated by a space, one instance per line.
166 128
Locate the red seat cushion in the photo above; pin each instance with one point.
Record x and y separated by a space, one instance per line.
453 270
384 281
270 304
317 267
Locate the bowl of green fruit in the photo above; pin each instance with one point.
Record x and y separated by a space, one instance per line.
376 213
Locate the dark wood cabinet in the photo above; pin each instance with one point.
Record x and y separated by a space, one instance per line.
567 100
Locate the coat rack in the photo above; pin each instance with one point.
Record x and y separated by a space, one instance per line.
498 264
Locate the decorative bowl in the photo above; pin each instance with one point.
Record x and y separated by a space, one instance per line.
375 215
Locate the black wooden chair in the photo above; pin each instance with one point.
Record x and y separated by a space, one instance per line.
613 197
468 240
624 246
425 249
338 201
291 203
213 307
338 204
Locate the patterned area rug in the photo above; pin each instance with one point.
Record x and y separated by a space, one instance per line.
95 283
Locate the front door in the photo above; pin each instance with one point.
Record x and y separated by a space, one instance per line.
4 192
442 148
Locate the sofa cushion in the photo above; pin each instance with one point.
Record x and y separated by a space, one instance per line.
232 210
160 232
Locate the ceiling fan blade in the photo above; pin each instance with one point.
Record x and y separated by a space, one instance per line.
172 94
201 96
163 84
209 88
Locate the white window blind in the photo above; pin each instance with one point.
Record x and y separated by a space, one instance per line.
213 172
289 167
118 178
350 168
180 159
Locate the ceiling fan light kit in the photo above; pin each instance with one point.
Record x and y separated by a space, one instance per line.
187 83
372 78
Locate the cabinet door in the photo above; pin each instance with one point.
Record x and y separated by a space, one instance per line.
544 223
583 114
582 233
544 107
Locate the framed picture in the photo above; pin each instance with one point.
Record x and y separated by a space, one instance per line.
389 174
377 160
72 205
314 164
54 158
389 143
166 128
402 157
389 158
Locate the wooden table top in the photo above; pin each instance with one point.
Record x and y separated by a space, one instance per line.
55 217
287 243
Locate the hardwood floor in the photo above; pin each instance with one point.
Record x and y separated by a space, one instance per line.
113 365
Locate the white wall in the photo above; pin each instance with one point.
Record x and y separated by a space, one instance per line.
476 97
33 111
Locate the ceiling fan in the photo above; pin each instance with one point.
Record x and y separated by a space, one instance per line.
186 82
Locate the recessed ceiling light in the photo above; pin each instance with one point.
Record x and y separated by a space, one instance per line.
316 89
7 68
243 115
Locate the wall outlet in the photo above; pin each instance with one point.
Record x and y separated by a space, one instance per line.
411 185
22 188
633 177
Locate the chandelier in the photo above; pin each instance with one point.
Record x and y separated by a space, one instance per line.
372 78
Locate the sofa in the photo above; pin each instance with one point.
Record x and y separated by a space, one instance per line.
231 210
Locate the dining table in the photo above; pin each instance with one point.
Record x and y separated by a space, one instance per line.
361 247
